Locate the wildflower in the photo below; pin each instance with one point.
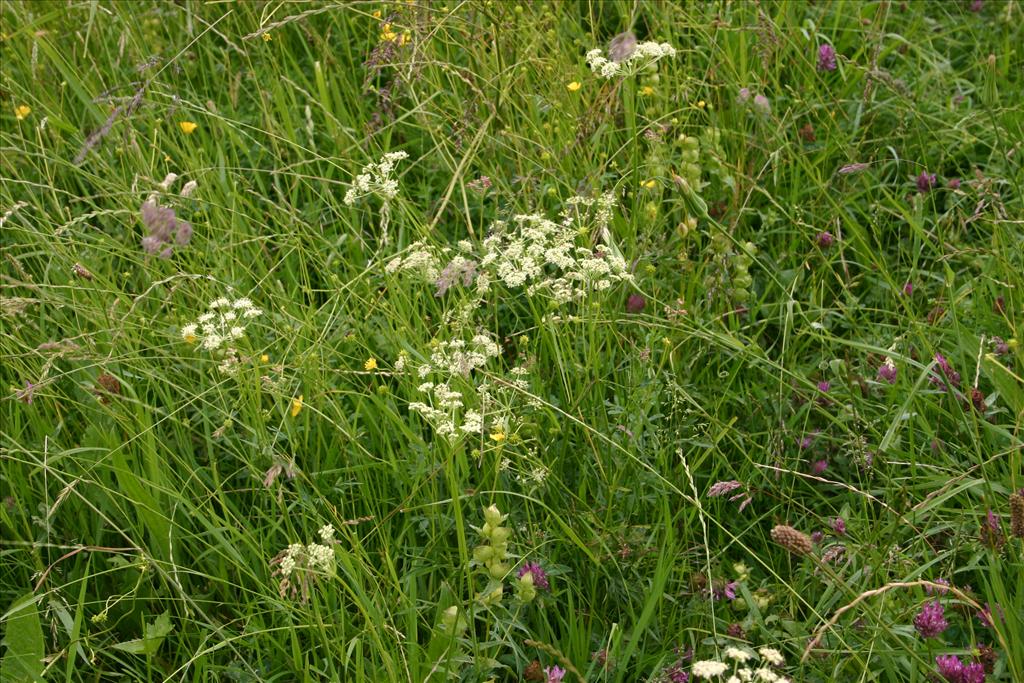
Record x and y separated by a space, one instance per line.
908 288
938 591
817 537
264 358
725 590
839 526
772 656
925 182
187 127
163 226
824 386
189 188
826 58
646 91
992 532
736 654
555 674
708 669
26 395
743 95
642 56
887 371
948 373
370 364
762 105
481 184
498 436
953 184
792 540
296 405
267 37
930 622
825 239
819 466
635 303
376 179
574 86
985 615
540 577
22 111
222 324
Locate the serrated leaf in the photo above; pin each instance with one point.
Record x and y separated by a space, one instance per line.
23 658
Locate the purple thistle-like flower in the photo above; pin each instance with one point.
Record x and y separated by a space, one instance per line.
817 537
839 526
973 673
925 182
724 590
887 371
555 674
951 375
721 488
824 386
675 674
540 577
930 622
826 58
950 667
635 303
825 239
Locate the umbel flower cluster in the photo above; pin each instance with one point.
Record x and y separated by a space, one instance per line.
224 323
642 56
454 404
376 179
742 665
300 565
564 260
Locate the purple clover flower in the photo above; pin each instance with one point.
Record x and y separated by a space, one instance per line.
555 674
950 667
887 371
930 622
839 526
819 466
825 239
635 303
951 375
826 58
925 182
824 386
540 577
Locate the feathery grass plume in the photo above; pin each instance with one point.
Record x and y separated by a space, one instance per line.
1017 514
792 540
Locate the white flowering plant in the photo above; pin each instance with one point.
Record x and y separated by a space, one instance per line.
376 179
641 57
223 324
299 565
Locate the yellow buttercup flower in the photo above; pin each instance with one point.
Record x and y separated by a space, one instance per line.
264 358
267 37
22 111
574 86
370 364
646 90
498 436
296 405
187 127
376 14
649 183
701 104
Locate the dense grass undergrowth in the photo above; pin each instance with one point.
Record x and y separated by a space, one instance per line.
408 341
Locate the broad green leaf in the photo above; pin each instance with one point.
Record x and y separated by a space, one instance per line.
23 640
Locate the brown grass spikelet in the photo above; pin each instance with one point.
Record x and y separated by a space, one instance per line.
796 542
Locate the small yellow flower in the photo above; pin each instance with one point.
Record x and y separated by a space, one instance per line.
267 37
187 127
701 104
574 86
264 358
646 91
649 183
296 405
376 14
22 111
190 339
370 364
498 436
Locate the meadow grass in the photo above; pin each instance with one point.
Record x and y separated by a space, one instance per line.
816 328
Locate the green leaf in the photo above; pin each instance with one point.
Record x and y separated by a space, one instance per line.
155 634
23 659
